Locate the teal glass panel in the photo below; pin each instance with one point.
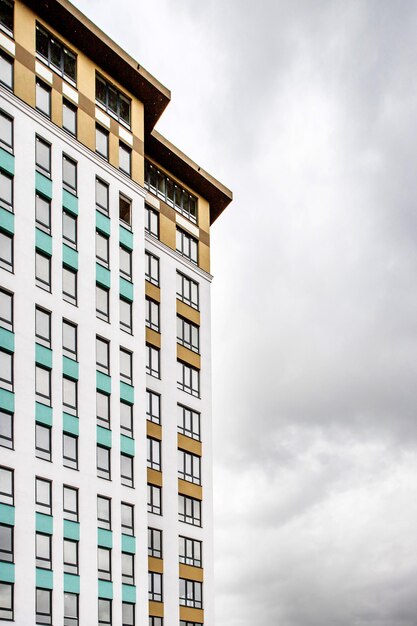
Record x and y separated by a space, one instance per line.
70 202
103 223
71 583
105 589
7 400
7 515
44 523
44 242
128 593
71 530
43 185
44 578
6 161
6 221
69 257
127 393
126 237
6 340
70 424
102 276
104 436
103 382
43 414
126 289
127 445
104 538
70 368
43 356
7 573
128 544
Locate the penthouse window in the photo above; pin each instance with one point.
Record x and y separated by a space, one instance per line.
56 55
171 193
6 16
115 103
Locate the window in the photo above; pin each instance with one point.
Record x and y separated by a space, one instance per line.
43 271
43 98
102 303
69 285
128 525
151 221
102 196
70 503
70 609
43 606
112 100
155 543
69 117
6 543
190 551
102 142
125 209
43 384
6 601
43 496
43 213
128 568
126 419
104 612
188 334
6 486
104 563
43 326
104 512
187 245
152 268
126 316
43 551
6 128
128 614
126 470
171 193
191 593
6 251
126 366
6 429
69 174
154 499
154 454
189 467
70 556
102 248
43 442
6 70
69 229
158 621
56 55
125 158
152 314
43 156
153 406
103 409
6 191
6 309
126 262
69 339
103 462
70 450
152 361
188 422
155 587
6 370
189 510
70 395
188 379
103 355
6 21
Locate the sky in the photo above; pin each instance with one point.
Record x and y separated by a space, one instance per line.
307 110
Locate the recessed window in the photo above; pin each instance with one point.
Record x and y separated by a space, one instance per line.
102 142
69 229
102 303
190 551
43 606
102 196
6 309
171 193
126 371
70 450
152 268
43 384
43 271
189 467
154 454
125 158
70 395
155 543
126 315
43 448
71 609
43 326
56 55
6 20
153 406
6 191
43 213
70 503
153 361
128 568
6 131
43 98
6 370
128 525
102 248
152 314
103 409
6 70
154 499
126 262
104 512
70 556
126 470
112 100
151 221
6 251
43 551
188 379
128 614
6 544
126 419
125 209
187 245
103 355
154 587
69 284
104 612
43 156
69 117
6 486
43 496
191 593
69 339
69 174
6 601
6 429
103 462
188 334
189 510
104 563
158 621
188 422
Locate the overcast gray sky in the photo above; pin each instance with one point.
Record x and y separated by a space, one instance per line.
307 109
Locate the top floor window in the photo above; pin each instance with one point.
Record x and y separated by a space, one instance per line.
115 103
56 55
69 174
6 131
174 195
6 15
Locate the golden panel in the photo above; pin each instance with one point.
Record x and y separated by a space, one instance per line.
86 130
156 609
157 565
204 256
192 573
153 430
152 291
153 337
56 106
138 167
24 84
24 27
187 614
188 356
203 214
188 312
167 231
189 489
154 477
114 150
190 445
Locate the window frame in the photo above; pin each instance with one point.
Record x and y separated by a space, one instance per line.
71 566
191 432
102 136
4 144
100 207
48 60
70 297
151 221
65 184
186 380
68 352
189 466
186 245
10 61
103 365
105 104
184 328
150 394
41 452
153 594
126 322
103 471
43 507
41 397
46 285
70 461
7 550
104 522
103 315
188 598
7 441
128 559
152 262
128 202
45 617
7 497
42 225
195 561
104 574
125 150
7 322
4 26
153 550
194 516
152 506
67 104
152 306
43 562
4 261
154 453
69 514
127 479
46 90
172 193
101 421
42 339
153 354
128 530
68 407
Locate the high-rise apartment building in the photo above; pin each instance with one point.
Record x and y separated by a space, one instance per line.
105 412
